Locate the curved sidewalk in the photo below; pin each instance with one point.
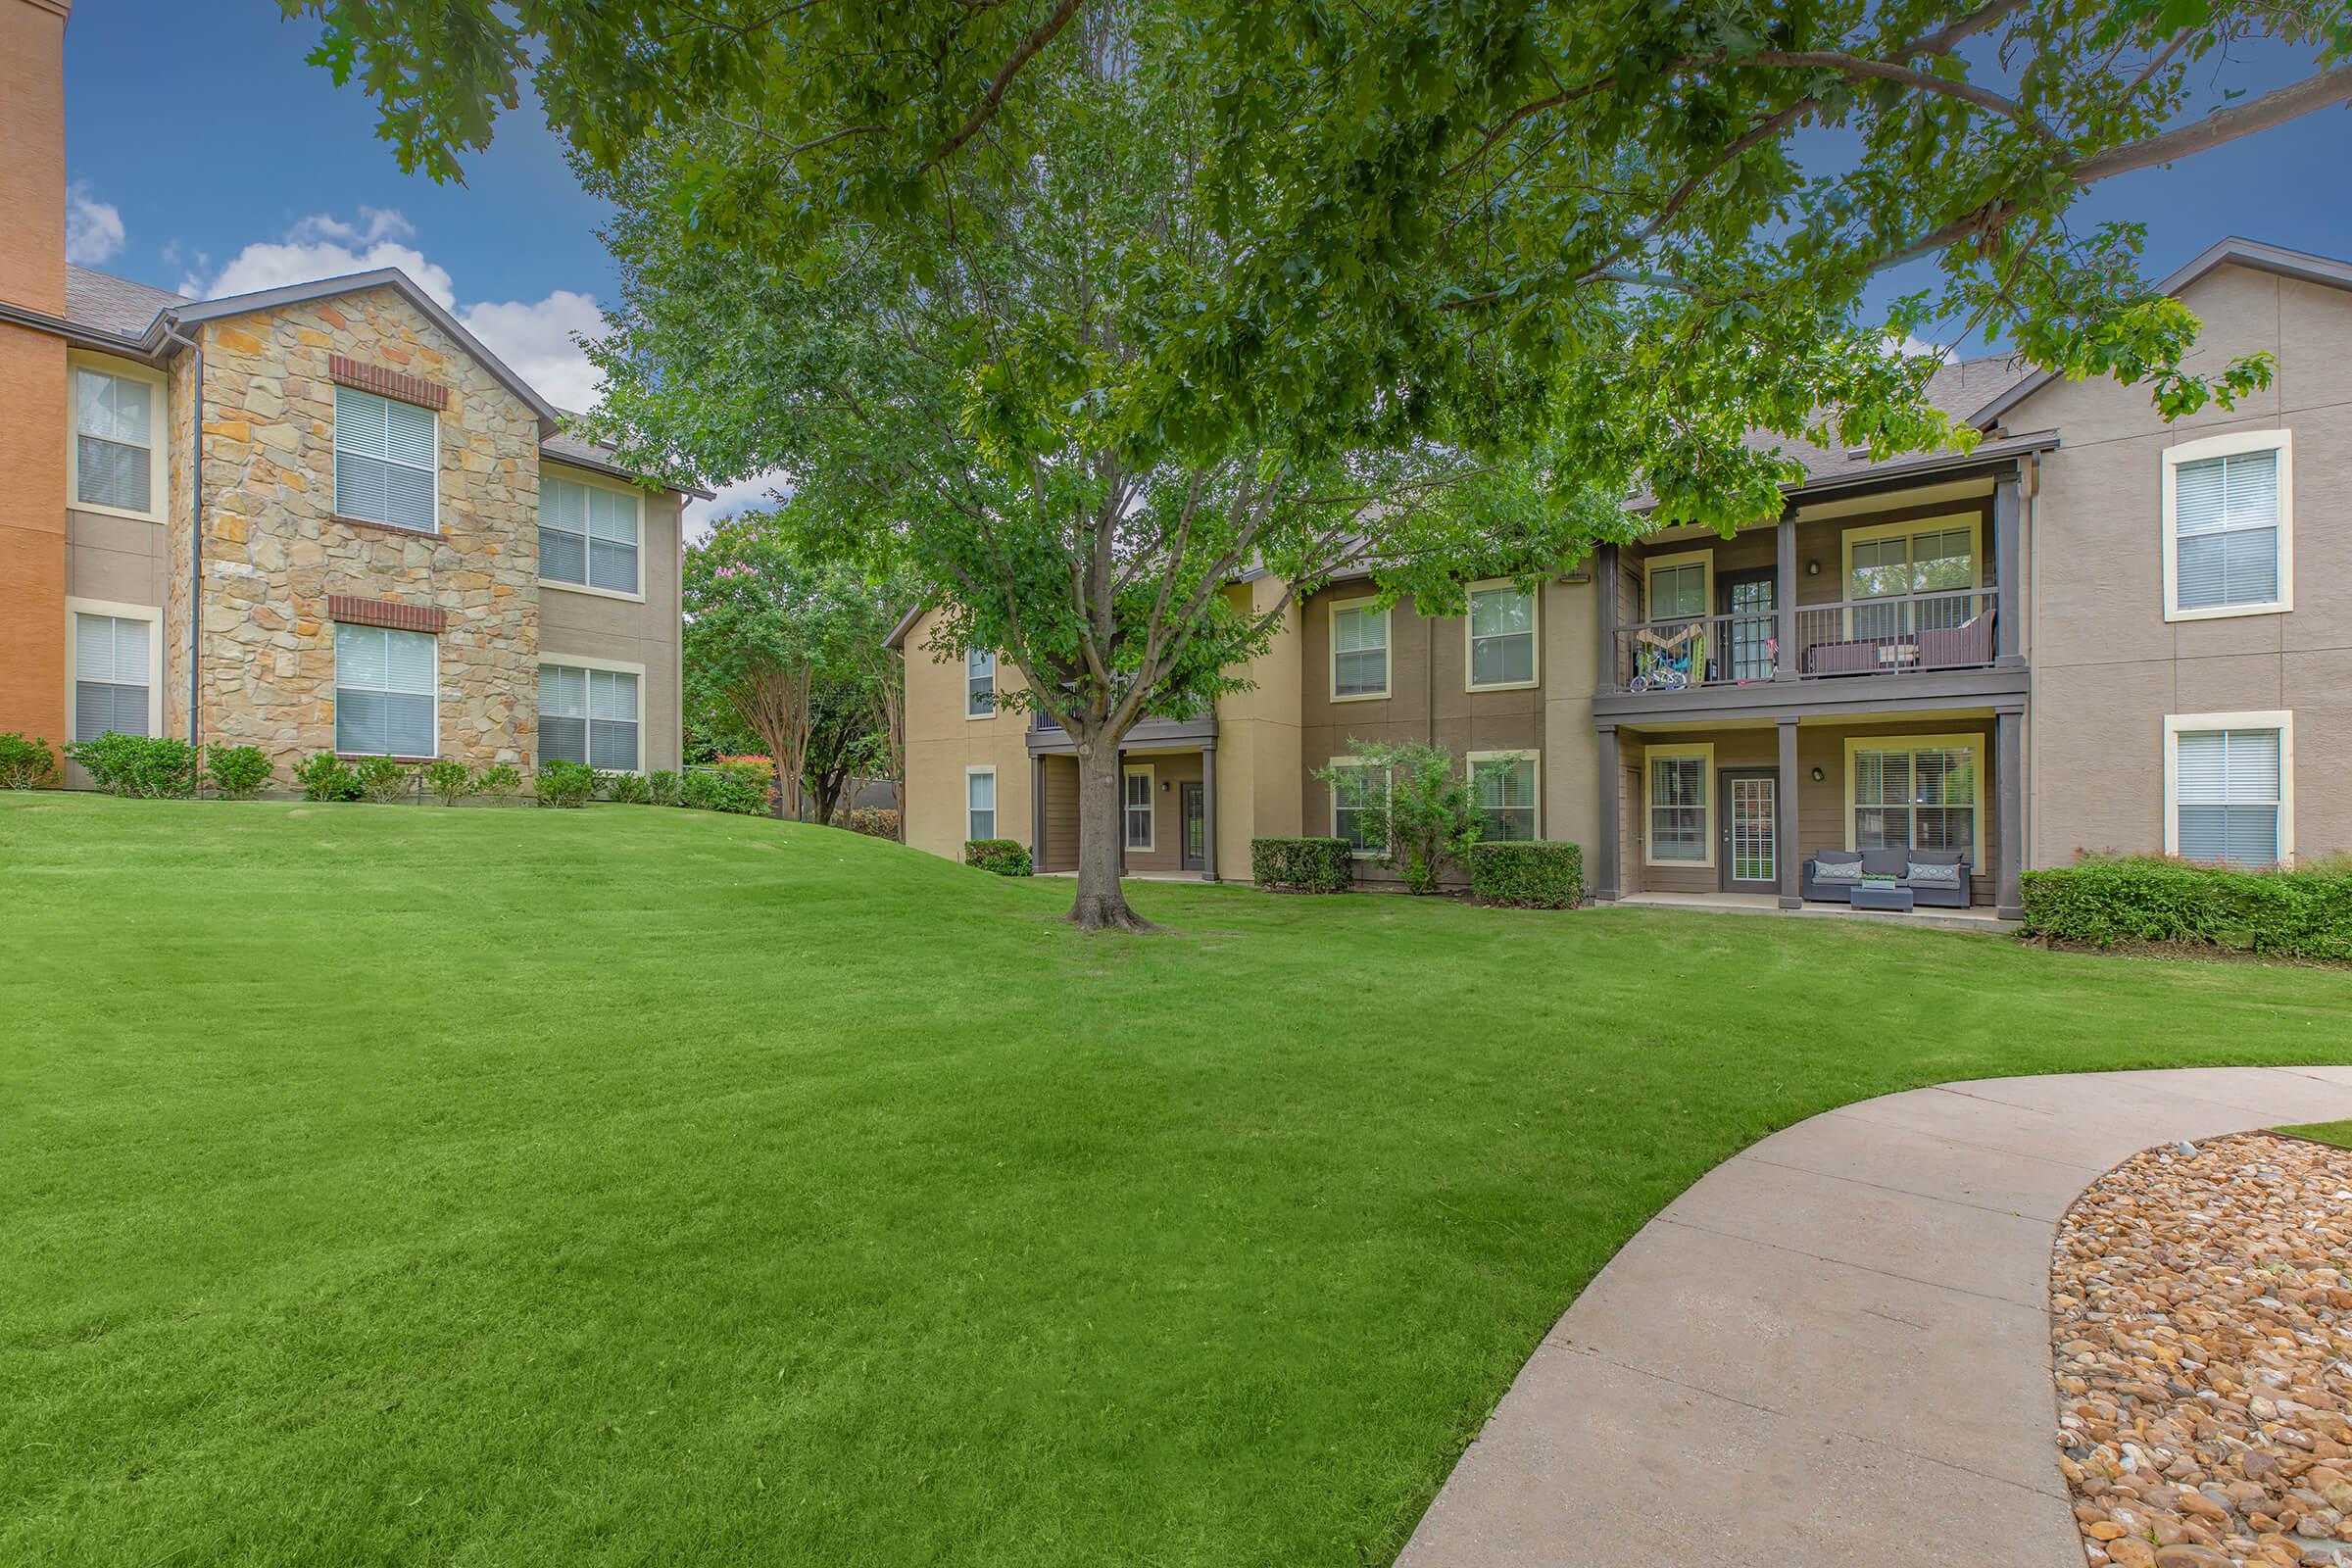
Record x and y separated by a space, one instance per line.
1834 1349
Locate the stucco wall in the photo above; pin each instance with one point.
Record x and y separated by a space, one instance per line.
2107 667
628 631
941 744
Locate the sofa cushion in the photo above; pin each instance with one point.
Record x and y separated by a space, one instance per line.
1922 874
1885 863
1838 866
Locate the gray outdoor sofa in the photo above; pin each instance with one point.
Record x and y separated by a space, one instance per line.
1946 891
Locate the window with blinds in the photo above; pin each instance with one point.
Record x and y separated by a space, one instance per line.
111 675
980 804
1678 592
2227 796
588 536
1677 809
1137 808
979 683
1360 651
1505 790
114 429
2225 530
387 456
384 692
1502 637
1914 798
589 715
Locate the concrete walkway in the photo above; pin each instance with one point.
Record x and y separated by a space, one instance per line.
1834 1349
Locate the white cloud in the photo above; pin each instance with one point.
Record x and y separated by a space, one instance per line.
1912 346
536 341
744 495
93 228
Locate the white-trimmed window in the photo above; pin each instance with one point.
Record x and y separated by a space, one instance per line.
1135 807
387 461
2229 527
1360 805
1677 587
1678 789
114 672
589 715
1916 792
1504 784
589 537
1360 651
979 683
386 702
1502 631
979 803
2229 787
118 453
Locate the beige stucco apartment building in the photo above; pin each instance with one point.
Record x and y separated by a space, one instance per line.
318 517
2094 630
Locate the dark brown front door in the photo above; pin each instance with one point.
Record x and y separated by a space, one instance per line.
1749 651
1749 839
1192 828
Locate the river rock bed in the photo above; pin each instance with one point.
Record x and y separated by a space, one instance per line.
2201 1317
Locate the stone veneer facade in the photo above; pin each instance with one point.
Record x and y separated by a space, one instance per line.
275 550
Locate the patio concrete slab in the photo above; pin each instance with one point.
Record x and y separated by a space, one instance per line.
1834 1348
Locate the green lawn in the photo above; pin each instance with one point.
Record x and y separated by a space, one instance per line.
478 1186
2338 1133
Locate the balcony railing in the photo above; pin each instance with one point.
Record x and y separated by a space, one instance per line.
1893 635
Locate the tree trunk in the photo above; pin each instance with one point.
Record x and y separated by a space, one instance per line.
1101 905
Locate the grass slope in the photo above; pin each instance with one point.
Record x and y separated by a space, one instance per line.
2338 1133
632 1185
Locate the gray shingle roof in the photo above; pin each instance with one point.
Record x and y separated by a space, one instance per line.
1958 390
113 304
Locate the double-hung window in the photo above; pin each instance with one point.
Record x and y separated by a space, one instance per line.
387 461
1896 560
1359 804
1504 784
979 683
1359 650
1677 587
980 802
112 671
1502 629
1136 803
1917 794
2231 785
588 536
589 715
2229 525
384 692
1676 803
118 440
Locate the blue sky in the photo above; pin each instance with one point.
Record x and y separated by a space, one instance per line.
270 173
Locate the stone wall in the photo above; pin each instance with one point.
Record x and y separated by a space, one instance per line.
275 550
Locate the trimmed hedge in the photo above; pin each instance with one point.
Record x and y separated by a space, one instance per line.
1528 876
148 768
711 789
564 786
1004 857
2107 901
26 763
236 772
875 822
1302 865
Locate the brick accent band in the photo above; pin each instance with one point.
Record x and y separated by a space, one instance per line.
386 383
384 613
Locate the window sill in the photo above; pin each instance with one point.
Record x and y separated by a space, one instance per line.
124 513
1505 686
592 593
2279 607
1360 697
386 527
369 757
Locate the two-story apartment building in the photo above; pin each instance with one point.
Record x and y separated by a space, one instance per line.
2094 629
310 519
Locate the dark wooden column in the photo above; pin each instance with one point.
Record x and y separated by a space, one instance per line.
1208 811
2007 552
1037 812
1784 599
1606 886
1604 586
1788 852
2009 815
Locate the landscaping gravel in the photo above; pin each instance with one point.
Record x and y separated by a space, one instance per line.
2201 1315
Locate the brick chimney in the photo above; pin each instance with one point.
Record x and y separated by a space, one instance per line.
32 368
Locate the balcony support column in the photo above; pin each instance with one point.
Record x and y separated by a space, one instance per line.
1784 597
1208 811
2009 814
1037 810
1789 854
2006 553
1605 585
1605 888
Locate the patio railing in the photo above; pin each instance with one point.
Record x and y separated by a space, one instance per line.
1952 630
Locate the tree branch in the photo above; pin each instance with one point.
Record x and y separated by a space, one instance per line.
987 108
2328 88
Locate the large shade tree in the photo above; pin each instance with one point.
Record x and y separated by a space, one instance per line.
1081 310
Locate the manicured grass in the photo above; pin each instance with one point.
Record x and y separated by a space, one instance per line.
2338 1133
399 1184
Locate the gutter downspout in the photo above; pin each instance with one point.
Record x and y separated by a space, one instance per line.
195 527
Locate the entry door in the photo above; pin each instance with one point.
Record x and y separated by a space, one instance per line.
1193 824
1751 830
1749 597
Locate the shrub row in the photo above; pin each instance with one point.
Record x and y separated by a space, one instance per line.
2107 900
875 822
724 789
26 762
1528 876
1300 865
1004 857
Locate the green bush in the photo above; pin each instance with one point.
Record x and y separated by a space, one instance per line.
724 789
500 781
148 768
1422 811
875 822
324 776
450 780
236 772
567 786
382 780
26 763
2105 901
662 787
628 789
1528 876
1004 857
1300 865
